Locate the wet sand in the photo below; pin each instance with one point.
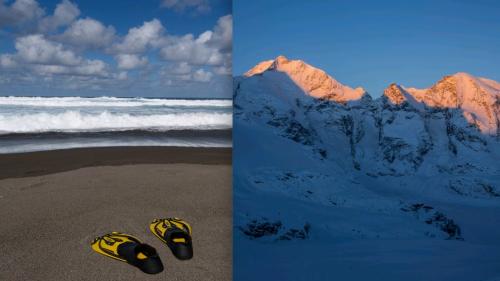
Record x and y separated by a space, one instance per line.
54 203
47 162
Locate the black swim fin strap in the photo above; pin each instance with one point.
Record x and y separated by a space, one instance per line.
142 256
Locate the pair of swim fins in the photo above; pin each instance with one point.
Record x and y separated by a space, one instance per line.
174 232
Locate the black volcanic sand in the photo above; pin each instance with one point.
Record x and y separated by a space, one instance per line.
49 220
47 162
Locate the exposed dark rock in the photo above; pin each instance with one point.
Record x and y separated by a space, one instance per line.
262 228
432 217
294 233
258 229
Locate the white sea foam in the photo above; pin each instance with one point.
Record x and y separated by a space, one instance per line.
43 146
77 121
108 102
35 115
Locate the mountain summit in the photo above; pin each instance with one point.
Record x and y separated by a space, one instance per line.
395 94
313 81
478 98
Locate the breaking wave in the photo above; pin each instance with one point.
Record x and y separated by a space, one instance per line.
77 121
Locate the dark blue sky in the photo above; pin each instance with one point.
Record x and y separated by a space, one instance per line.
372 43
158 48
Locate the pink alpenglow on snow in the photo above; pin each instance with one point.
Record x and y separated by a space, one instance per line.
478 98
313 81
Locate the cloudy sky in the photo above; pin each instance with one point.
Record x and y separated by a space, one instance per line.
153 48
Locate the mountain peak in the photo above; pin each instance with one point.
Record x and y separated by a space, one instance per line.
263 66
313 81
475 96
462 75
395 94
281 59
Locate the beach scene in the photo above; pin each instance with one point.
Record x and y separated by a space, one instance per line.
110 122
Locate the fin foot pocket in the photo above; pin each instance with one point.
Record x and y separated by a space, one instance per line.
176 233
126 248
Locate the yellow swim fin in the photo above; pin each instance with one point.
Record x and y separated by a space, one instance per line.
176 233
127 248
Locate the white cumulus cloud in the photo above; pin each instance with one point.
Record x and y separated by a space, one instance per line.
37 49
209 48
222 36
139 38
192 50
180 69
86 68
183 72
88 33
20 12
130 61
64 14
201 75
37 54
7 61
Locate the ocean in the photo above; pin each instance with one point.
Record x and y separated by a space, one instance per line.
48 123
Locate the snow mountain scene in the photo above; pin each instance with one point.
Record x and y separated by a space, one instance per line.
405 186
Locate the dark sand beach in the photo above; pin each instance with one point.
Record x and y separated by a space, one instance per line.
54 203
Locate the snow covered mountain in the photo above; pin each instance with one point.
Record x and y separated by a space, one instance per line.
313 81
478 98
322 169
